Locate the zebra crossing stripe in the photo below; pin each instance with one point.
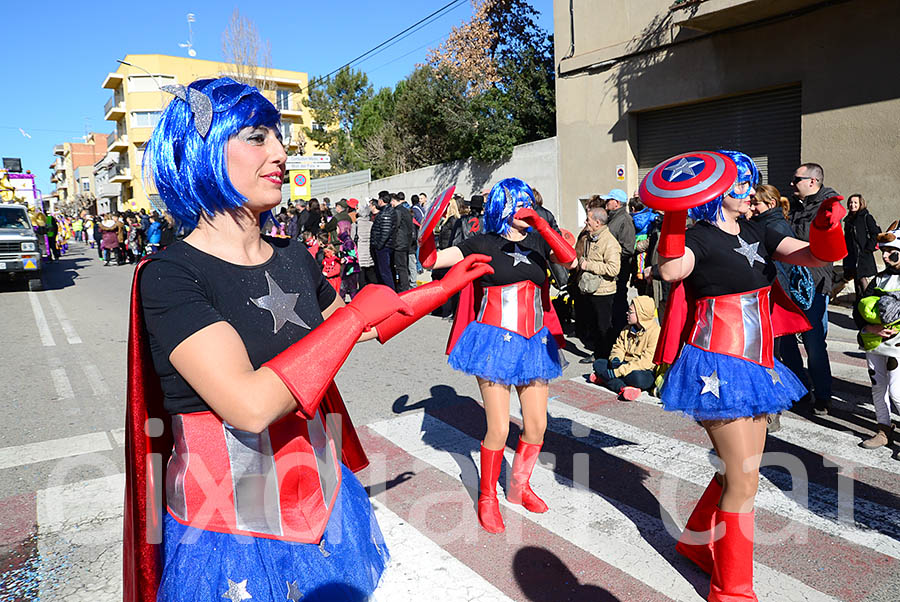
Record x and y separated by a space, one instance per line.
614 534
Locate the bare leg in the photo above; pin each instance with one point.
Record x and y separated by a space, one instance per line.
496 409
534 411
739 444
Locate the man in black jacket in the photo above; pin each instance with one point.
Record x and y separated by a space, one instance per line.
809 192
622 227
402 240
382 230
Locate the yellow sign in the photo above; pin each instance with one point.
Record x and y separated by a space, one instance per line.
29 265
299 184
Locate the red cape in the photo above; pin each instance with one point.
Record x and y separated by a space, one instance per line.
787 318
470 297
146 457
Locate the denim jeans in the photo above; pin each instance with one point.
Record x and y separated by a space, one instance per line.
816 350
642 379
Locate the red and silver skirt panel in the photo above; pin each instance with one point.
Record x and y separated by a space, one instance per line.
281 483
739 325
515 307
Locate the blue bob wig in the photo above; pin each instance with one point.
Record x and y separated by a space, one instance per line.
505 198
746 172
190 170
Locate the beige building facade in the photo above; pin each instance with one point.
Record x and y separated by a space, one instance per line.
786 81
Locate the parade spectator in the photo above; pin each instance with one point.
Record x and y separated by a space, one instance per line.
331 266
121 234
860 231
644 219
383 227
347 254
560 275
878 316
364 244
622 228
402 241
98 234
472 223
166 231
109 242
809 192
135 250
342 214
629 368
291 229
598 271
449 235
312 245
314 217
153 233
771 209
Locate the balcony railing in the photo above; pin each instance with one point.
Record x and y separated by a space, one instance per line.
109 105
111 138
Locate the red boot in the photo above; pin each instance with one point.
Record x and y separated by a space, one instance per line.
696 541
488 507
732 577
519 490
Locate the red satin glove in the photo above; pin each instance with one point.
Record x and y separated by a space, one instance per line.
425 299
308 366
427 251
671 237
565 253
826 237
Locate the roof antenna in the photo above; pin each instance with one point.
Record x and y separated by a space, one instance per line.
190 43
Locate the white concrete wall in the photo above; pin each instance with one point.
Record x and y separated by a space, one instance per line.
535 162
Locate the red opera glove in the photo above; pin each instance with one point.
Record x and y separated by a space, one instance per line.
425 299
565 253
671 238
308 366
826 237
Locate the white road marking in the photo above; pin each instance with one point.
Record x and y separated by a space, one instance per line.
95 379
41 451
69 330
61 383
609 530
41 320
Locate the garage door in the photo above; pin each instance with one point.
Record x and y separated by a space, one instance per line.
765 125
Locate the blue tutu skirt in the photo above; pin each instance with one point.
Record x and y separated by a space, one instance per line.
347 565
504 357
744 388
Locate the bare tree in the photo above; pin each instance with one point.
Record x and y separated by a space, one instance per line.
249 58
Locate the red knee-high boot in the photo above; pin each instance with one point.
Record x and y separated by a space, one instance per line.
519 489
696 541
732 576
488 506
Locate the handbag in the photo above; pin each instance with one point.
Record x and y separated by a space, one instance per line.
588 283
802 289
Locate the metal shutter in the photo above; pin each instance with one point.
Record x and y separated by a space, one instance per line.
764 125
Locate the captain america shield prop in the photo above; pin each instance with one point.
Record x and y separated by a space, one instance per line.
687 180
436 210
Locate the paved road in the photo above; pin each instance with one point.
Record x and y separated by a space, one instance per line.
619 477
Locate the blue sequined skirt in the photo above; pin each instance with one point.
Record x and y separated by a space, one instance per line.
504 357
713 386
346 566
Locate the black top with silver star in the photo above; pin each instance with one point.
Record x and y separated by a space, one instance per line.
281 304
749 251
519 256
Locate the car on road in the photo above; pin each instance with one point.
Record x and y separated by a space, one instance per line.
20 252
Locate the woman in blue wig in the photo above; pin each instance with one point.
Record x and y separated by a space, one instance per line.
725 375
235 341
508 342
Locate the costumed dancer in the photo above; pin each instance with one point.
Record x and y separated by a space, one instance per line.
234 424
726 316
510 341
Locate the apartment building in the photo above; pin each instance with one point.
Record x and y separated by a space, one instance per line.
70 157
136 103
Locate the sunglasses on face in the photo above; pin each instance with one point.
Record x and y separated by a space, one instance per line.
796 179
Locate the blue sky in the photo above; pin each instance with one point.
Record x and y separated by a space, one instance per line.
57 53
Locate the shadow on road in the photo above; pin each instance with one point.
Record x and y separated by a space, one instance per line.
544 577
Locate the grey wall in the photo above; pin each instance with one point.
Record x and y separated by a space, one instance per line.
535 162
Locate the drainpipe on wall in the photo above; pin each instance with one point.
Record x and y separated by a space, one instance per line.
571 52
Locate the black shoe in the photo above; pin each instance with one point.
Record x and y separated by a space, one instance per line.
587 360
820 407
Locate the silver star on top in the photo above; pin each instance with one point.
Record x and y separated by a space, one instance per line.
749 251
682 167
507 337
281 305
237 591
776 378
294 592
518 256
712 383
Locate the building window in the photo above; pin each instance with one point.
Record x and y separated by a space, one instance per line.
144 119
146 83
317 127
85 185
283 99
285 131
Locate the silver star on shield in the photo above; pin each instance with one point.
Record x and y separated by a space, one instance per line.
711 383
776 378
507 337
294 592
682 167
281 305
518 256
749 251
237 591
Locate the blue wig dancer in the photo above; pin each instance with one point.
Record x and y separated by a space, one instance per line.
234 344
510 341
725 375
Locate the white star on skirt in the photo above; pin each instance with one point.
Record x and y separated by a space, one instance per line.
711 384
237 591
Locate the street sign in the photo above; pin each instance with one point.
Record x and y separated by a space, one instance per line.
620 173
299 184
309 162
